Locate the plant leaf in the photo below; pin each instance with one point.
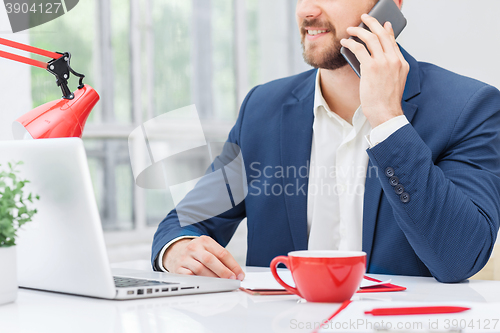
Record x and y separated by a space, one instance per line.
13 210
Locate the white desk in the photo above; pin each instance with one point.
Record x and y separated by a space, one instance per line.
37 311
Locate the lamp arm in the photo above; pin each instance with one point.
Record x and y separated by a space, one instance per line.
59 66
28 48
24 60
81 76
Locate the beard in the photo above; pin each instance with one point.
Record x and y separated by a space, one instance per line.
331 58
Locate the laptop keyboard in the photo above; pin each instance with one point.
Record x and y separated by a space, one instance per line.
122 282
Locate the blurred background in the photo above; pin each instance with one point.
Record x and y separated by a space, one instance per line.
148 57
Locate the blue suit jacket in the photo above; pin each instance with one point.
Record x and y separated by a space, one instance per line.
447 159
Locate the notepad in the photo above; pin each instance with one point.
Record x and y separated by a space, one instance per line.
379 286
263 283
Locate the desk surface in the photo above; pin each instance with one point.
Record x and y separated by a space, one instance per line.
37 311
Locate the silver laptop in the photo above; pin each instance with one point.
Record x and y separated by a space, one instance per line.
63 248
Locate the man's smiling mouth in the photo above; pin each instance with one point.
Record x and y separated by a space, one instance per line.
316 32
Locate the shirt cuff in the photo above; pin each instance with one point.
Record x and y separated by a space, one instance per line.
159 260
385 130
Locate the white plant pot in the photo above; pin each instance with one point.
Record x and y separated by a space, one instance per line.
8 275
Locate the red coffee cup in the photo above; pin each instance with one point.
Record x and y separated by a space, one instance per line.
323 276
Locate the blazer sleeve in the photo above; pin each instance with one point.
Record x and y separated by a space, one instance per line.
449 208
221 227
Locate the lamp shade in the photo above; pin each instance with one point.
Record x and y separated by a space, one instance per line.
57 119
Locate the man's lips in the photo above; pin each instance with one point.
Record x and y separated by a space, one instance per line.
315 33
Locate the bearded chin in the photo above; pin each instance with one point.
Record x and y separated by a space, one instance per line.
331 60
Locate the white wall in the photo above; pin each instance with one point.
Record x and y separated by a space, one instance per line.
459 35
15 82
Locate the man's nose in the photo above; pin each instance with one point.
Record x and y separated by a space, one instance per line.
308 9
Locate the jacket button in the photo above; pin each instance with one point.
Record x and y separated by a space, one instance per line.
405 197
399 189
394 181
389 172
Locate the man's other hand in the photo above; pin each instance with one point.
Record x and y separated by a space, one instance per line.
383 70
201 256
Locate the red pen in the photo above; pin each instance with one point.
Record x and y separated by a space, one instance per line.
342 307
421 310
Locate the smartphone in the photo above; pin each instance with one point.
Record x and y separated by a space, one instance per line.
383 11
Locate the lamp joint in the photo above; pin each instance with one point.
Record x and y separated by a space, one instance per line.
61 69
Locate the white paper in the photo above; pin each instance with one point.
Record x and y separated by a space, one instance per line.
367 283
265 280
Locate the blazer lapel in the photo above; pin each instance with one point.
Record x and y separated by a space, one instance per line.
296 141
373 188
412 87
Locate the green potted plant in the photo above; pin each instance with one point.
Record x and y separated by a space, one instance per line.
14 212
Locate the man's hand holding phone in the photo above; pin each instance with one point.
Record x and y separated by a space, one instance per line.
201 256
383 70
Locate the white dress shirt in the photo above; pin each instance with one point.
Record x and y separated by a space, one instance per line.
337 176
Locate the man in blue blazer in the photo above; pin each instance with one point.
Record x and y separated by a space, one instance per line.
432 188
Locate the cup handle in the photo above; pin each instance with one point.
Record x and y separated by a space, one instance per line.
274 264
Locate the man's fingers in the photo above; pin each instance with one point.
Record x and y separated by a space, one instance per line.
358 49
235 268
211 262
389 29
196 268
381 43
182 270
385 37
202 256
371 40
404 64
223 256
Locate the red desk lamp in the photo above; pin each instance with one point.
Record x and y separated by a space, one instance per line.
64 117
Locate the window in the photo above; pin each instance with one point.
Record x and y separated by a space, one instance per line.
148 57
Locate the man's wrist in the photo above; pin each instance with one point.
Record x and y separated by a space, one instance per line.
386 129
377 118
160 258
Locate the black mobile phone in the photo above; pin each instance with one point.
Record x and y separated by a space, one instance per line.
383 11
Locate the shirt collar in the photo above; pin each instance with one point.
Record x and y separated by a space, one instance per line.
320 105
319 100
